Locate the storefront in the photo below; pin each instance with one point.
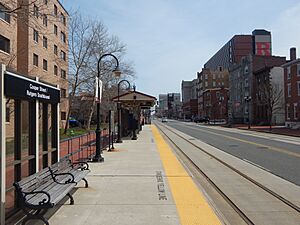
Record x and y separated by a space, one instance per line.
29 126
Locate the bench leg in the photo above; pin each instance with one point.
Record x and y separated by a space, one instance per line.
71 199
86 183
38 215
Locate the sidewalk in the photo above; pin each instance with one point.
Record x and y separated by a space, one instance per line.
140 183
124 189
275 130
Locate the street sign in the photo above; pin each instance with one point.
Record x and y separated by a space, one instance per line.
98 87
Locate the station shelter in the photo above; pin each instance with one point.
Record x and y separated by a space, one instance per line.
29 128
135 110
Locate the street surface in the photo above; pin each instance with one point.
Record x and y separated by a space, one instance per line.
277 154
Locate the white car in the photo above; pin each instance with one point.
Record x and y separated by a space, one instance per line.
164 120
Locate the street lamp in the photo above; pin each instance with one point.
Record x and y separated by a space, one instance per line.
119 140
248 99
117 72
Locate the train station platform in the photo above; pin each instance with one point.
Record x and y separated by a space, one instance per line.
140 182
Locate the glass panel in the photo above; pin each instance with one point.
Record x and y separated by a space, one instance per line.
10 129
24 129
49 129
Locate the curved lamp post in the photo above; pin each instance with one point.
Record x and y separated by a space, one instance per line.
248 99
117 72
119 140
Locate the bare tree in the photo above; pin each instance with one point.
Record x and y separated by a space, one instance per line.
89 40
270 95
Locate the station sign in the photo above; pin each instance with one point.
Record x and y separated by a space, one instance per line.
20 87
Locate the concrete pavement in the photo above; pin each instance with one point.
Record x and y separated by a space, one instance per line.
123 190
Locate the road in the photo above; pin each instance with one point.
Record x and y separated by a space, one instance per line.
277 154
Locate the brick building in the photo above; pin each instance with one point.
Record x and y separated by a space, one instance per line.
245 78
34 44
8 35
215 103
209 80
292 90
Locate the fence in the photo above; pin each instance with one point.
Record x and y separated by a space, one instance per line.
83 147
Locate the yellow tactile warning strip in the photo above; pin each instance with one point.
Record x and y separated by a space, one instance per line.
191 205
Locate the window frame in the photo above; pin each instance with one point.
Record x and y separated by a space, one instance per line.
35 60
45 42
289 90
6 16
45 65
6 44
35 36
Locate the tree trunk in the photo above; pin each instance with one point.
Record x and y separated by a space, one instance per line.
91 115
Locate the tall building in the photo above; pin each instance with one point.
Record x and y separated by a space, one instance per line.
246 80
259 43
292 90
174 105
209 80
33 44
8 35
162 105
189 98
42 45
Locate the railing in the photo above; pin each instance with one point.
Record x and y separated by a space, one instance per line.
83 147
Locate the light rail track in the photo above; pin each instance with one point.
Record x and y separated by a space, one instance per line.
233 205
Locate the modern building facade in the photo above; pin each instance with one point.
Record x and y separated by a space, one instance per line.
292 90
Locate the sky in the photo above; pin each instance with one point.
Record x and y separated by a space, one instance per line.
171 40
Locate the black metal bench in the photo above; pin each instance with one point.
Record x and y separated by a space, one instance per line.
45 189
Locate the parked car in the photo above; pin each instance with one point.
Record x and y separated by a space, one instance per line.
164 120
73 122
204 119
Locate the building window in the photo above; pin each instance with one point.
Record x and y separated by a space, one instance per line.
246 70
55 10
298 69
35 35
298 85
35 60
55 29
295 111
35 11
4 44
45 42
45 20
63 55
214 76
45 64
63 74
289 90
63 18
63 115
63 93
55 70
55 49
220 68
63 37
214 83
288 72
206 76
206 84
288 112
3 13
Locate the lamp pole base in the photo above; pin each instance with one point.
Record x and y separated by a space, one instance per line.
98 159
119 141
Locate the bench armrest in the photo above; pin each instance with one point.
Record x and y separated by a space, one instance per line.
70 180
83 165
46 200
